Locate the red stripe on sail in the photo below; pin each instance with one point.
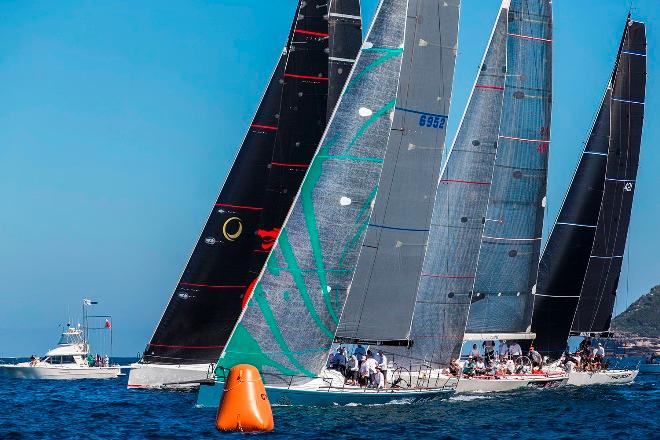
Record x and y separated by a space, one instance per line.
316 34
264 127
315 78
227 205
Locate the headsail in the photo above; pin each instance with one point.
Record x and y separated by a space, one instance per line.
510 245
208 299
582 260
381 301
290 321
443 299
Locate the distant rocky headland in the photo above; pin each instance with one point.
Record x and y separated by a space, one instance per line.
638 328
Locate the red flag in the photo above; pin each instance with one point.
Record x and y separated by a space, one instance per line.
107 324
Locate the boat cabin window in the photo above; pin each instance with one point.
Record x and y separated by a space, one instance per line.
70 338
56 360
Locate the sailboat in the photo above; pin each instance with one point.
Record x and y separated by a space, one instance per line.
581 264
248 214
387 128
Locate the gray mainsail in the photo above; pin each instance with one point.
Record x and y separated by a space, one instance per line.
382 296
443 298
290 321
508 260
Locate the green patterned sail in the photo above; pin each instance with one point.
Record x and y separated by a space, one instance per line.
290 321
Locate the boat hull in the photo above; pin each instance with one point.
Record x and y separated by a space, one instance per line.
603 377
54 373
155 376
495 384
209 396
649 369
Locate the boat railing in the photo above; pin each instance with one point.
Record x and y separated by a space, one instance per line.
290 381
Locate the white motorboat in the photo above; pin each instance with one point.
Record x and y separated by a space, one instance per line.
66 361
164 376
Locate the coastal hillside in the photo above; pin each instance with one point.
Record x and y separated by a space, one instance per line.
642 318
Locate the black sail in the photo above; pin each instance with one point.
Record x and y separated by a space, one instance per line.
208 298
596 304
583 231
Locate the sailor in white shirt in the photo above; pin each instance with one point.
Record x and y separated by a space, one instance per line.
510 366
352 370
600 351
380 379
382 364
371 365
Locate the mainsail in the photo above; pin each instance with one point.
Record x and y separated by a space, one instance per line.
510 244
443 298
209 297
380 304
581 264
291 318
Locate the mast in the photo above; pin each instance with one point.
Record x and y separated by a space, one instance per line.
290 321
382 297
508 259
209 297
443 296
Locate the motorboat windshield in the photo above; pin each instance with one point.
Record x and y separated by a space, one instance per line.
71 337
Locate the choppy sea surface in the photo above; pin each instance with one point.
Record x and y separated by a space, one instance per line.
105 409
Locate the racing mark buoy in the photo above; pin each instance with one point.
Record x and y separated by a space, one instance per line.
244 406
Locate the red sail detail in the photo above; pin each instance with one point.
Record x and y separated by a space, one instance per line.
268 237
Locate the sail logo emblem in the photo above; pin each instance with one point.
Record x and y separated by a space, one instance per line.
209 240
268 237
628 187
232 228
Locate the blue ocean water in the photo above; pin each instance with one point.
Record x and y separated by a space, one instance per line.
105 409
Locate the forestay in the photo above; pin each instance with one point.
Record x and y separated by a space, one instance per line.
510 245
291 318
381 300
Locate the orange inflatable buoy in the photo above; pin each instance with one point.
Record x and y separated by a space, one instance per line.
244 405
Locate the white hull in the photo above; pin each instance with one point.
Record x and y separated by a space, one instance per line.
603 377
497 384
329 391
59 373
159 376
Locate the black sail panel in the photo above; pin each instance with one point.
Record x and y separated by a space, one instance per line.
596 303
345 29
566 255
208 299
327 42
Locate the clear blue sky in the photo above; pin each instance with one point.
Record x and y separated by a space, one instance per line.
119 120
